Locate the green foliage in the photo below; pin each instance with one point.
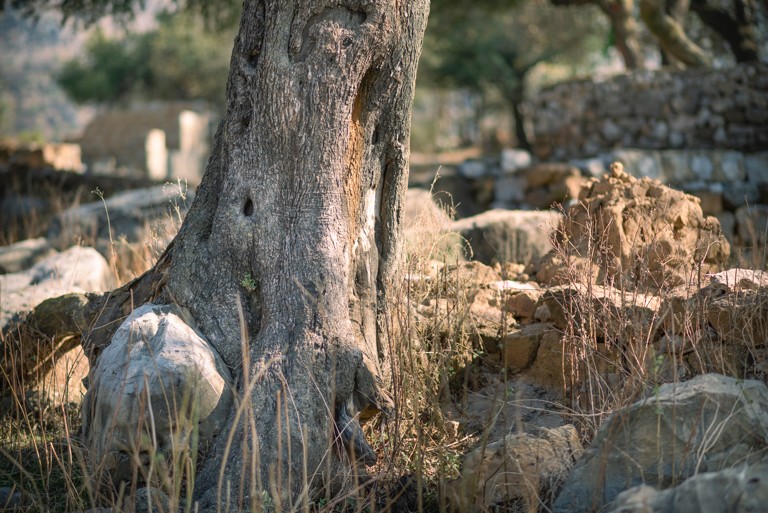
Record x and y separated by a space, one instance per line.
111 71
220 14
248 283
496 48
180 60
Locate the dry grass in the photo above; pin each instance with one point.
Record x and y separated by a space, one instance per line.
611 356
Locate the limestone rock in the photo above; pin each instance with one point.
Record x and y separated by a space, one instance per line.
22 255
508 235
78 269
519 467
156 383
707 424
643 233
521 302
520 348
739 489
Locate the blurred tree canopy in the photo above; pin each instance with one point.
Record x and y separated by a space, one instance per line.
735 22
494 46
219 14
180 60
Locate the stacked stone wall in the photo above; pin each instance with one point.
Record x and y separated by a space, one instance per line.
692 109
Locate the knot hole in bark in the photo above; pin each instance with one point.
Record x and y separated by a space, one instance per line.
248 208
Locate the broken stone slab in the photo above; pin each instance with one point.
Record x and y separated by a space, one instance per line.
158 382
524 466
520 349
742 488
605 310
78 269
132 215
508 235
732 304
707 424
741 317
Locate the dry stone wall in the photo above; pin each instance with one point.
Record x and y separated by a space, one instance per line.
712 108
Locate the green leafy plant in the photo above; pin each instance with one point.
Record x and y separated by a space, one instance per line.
248 283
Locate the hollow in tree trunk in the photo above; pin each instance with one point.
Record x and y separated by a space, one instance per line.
301 201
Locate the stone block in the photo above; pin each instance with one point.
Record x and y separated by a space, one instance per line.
702 166
676 166
756 167
513 160
739 194
509 191
729 167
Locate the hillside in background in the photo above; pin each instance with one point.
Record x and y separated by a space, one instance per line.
31 103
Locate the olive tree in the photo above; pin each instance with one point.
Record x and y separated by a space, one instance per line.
286 258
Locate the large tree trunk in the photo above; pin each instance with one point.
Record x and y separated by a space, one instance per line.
297 219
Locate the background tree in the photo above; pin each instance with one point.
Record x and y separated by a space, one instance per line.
666 19
181 59
494 49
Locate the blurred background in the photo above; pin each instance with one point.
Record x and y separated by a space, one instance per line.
675 89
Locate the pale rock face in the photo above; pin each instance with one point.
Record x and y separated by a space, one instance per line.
707 424
155 386
741 489
519 466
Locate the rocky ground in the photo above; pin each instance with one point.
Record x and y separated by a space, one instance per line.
605 356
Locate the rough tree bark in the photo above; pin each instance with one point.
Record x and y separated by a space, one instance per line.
303 194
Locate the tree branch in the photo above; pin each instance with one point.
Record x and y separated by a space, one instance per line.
671 35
